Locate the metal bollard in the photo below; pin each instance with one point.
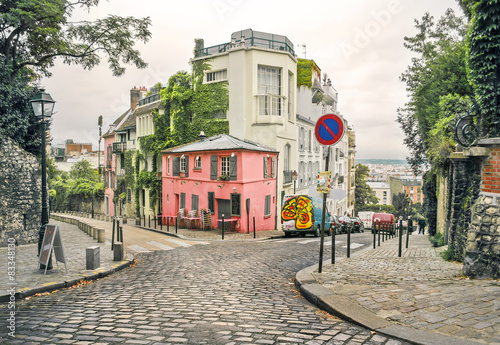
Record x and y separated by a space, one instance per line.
378 228
400 237
254 226
348 242
222 226
149 221
118 239
176 224
374 236
113 235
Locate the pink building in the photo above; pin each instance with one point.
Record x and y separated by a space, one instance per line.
109 173
228 176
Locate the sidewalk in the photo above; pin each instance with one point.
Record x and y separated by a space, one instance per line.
419 297
30 280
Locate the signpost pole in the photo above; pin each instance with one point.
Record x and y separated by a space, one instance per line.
321 246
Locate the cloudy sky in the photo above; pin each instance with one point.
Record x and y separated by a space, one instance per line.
358 43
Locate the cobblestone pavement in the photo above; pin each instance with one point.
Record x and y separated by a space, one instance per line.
419 290
231 292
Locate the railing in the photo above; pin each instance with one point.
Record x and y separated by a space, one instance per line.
269 105
254 39
119 147
466 131
108 164
149 99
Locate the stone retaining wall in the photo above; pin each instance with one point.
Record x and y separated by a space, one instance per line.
20 191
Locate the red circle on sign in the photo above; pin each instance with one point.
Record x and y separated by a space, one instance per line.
329 129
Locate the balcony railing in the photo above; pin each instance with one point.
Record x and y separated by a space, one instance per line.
250 38
119 147
108 164
150 99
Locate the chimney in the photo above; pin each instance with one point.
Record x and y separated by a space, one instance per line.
135 96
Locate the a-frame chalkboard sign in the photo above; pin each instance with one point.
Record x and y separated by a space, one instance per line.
52 240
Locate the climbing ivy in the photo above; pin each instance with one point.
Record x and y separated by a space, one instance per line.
304 73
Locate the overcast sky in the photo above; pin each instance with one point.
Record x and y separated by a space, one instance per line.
358 43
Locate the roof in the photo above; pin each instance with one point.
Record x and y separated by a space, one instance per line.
378 185
113 126
128 123
220 142
145 109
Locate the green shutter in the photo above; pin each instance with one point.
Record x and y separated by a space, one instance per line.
213 168
187 166
272 167
233 168
176 166
265 168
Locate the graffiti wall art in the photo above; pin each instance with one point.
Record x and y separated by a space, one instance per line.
300 209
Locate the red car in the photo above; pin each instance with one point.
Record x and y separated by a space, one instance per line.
384 220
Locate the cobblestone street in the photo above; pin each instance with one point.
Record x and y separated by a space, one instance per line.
221 293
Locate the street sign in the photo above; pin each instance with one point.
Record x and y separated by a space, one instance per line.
329 129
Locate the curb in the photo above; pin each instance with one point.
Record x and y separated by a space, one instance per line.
66 284
341 306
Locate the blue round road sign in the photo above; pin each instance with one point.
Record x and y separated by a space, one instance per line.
329 129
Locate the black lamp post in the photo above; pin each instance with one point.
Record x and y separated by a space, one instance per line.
43 105
92 187
294 178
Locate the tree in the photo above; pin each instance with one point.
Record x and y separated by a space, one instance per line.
483 61
83 170
439 70
363 194
33 33
401 203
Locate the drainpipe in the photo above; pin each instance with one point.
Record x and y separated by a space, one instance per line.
275 210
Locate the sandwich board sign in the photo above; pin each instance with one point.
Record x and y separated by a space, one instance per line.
52 240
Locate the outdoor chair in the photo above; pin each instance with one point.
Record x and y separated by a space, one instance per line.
206 219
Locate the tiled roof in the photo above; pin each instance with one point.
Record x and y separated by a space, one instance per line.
128 123
147 108
220 142
115 123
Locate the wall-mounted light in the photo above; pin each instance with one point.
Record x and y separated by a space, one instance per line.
219 186
232 154
182 156
168 157
234 189
267 156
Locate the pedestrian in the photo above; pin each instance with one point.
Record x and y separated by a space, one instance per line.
421 225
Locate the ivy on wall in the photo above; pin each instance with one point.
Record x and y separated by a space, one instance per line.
304 73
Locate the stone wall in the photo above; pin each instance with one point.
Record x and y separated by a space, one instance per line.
20 191
482 254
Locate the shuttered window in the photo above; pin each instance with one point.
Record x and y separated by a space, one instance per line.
267 205
233 168
213 168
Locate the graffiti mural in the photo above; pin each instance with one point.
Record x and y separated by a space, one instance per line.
300 209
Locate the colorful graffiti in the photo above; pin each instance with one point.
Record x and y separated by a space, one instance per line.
300 209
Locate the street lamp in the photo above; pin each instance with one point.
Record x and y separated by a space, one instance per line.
294 178
43 105
92 187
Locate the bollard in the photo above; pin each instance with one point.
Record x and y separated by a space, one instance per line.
149 221
118 239
118 251
348 242
385 229
176 224
160 220
333 245
100 235
93 258
410 226
155 221
400 237
94 233
378 233
374 236
113 235
222 226
121 234
168 224
144 219
254 226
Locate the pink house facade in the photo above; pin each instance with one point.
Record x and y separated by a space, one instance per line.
109 174
230 177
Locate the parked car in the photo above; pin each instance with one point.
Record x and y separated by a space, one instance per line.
366 218
346 224
357 225
335 224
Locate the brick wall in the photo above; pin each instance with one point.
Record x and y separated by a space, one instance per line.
491 172
20 191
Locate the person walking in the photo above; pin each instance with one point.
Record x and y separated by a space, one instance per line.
421 225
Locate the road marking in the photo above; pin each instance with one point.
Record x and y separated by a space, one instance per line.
160 245
138 249
329 243
181 243
283 241
201 242
309 241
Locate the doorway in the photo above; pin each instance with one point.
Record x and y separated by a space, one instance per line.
223 208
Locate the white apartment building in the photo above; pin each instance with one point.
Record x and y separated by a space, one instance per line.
260 69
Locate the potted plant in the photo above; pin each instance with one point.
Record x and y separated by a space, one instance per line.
224 177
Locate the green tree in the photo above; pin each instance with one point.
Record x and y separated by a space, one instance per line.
363 194
34 33
83 170
438 70
401 203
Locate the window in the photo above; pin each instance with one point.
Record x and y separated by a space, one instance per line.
211 202
309 141
235 204
224 166
183 201
194 202
290 95
168 165
197 162
269 91
301 139
183 163
221 114
217 76
266 168
267 206
287 158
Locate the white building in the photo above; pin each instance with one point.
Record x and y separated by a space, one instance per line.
382 190
260 69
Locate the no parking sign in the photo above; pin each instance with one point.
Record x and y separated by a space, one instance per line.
329 129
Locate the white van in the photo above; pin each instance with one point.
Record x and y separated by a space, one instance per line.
366 218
